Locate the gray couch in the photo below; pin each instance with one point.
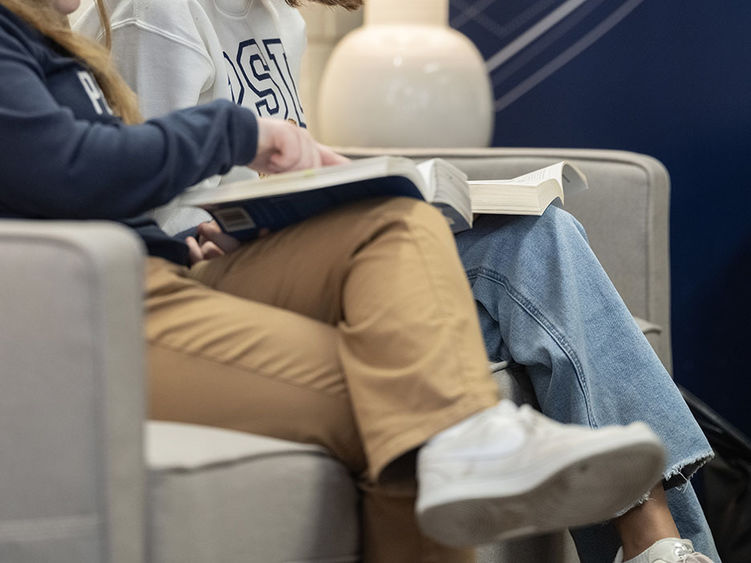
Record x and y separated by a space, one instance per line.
84 478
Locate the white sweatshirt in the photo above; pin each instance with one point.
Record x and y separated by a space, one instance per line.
178 53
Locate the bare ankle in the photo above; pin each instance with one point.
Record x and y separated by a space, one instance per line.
646 523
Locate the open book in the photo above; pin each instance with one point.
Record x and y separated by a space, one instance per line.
243 208
273 202
529 194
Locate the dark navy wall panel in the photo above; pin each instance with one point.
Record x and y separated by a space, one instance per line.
670 78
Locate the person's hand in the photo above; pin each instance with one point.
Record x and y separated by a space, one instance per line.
283 147
211 242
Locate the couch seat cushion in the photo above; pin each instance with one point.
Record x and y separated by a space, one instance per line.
225 496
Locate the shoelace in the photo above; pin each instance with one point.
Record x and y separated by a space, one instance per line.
683 552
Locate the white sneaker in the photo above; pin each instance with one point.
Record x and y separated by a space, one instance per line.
508 471
668 550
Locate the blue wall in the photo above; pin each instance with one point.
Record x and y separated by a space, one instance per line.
670 78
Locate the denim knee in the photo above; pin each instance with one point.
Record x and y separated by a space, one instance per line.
562 220
496 240
555 223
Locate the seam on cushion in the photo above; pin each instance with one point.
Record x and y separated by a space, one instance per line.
211 465
35 529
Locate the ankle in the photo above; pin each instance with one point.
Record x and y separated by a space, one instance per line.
638 543
646 524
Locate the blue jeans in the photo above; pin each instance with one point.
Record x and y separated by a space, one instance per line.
545 302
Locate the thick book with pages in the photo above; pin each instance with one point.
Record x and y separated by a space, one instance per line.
244 208
529 194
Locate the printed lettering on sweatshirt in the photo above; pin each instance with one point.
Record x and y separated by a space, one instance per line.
259 76
94 93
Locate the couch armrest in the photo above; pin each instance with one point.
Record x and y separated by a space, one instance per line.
625 213
72 399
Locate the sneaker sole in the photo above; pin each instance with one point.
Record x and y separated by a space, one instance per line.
590 486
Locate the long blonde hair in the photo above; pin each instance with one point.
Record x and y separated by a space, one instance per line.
49 22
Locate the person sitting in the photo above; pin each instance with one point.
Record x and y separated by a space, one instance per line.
543 299
355 330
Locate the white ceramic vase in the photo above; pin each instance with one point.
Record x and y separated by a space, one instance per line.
405 79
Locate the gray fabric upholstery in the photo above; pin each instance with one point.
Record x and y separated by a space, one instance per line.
221 496
73 484
71 399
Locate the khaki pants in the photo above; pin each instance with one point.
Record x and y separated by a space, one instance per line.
355 330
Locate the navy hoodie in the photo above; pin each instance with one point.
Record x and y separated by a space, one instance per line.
63 155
